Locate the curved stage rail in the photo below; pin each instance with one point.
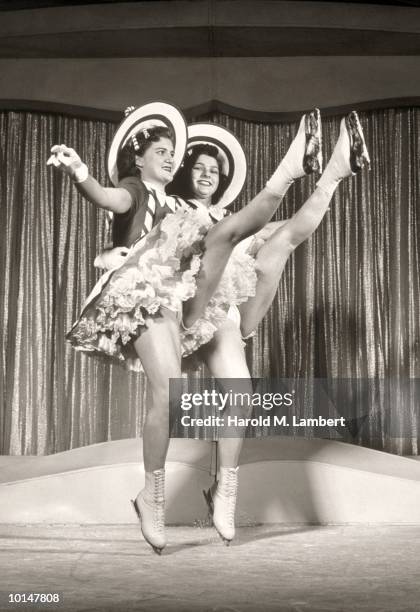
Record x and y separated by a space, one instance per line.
282 480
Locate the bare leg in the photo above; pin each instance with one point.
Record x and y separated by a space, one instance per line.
159 350
349 156
273 255
225 358
219 244
222 238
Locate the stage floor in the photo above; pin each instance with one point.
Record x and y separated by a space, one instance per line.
267 568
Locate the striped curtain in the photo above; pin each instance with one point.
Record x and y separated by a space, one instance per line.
348 304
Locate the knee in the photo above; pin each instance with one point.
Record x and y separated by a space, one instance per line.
160 399
267 267
156 417
163 395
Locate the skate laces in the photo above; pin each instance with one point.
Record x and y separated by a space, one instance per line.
229 491
159 500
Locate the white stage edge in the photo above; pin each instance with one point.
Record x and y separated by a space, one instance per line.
281 480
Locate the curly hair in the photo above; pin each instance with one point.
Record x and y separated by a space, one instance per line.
126 159
181 185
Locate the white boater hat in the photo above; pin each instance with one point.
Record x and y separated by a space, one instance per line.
144 117
231 154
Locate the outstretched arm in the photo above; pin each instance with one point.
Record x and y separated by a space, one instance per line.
66 160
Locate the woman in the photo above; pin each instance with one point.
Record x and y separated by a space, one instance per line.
138 202
135 309
201 182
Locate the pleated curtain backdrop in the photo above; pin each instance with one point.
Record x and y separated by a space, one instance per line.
348 304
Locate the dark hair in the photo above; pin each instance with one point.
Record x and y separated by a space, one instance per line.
126 159
181 185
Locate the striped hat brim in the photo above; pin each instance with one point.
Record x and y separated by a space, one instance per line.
148 115
231 154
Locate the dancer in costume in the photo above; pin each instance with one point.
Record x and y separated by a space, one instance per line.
173 266
200 181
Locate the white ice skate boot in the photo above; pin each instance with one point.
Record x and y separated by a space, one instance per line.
224 504
304 156
350 154
150 509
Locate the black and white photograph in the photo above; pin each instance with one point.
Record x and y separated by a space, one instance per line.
210 306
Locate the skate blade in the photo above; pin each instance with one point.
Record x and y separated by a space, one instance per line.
225 541
359 155
157 549
209 501
312 160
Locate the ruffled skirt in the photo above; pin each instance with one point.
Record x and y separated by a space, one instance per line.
159 272
237 284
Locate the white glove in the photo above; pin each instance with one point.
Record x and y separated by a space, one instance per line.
111 258
67 160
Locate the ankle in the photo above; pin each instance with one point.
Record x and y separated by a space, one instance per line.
328 183
224 469
278 184
154 486
228 477
304 156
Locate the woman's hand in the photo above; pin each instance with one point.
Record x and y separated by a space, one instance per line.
111 258
117 200
68 161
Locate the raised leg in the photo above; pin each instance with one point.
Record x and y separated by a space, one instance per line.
349 156
222 238
274 253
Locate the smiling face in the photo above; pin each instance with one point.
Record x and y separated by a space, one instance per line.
204 178
157 162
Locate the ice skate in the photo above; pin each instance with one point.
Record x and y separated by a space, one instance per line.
350 154
359 156
304 156
224 502
312 159
150 509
